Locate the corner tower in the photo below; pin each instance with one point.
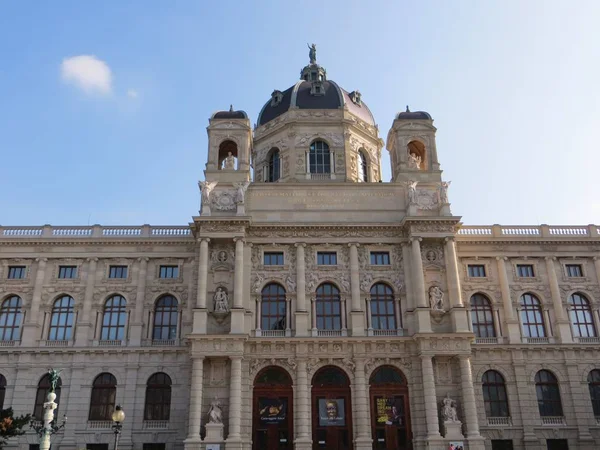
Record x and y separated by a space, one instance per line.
315 131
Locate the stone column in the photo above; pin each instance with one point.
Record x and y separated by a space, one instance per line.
303 439
563 327
138 320
195 413
418 287
301 315
429 397
83 327
460 318
468 397
238 278
235 400
288 316
363 436
357 317
202 274
496 317
31 327
597 267
258 329
343 316
512 329
313 301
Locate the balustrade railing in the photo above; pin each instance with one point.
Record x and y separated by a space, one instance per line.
536 340
55 343
9 343
588 340
110 343
155 424
271 333
329 333
99 424
527 231
160 342
486 340
553 420
499 421
92 231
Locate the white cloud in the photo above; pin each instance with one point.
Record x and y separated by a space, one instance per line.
132 93
88 73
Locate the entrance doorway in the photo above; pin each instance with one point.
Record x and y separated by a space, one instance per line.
272 406
331 410
390 418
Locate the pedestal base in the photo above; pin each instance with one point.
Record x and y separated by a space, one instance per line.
303 444
453 431
423 320
237 321
214 433
363 443
200 321
460 320
302 328
357 323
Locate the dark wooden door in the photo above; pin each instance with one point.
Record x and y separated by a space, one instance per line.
272 419
390 419
331 418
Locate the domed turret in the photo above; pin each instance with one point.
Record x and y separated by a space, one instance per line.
413 115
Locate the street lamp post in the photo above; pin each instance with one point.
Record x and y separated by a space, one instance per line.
118 416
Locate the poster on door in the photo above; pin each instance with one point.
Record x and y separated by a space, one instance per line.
272 410
457 445
389 410
331 412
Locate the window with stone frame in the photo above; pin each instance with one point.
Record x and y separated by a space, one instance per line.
383 312
273 307
532 317
548 394
363 173
328 307
326 258
117 272
380 258
66 272
574 270
114 319
62 319
2 390
581 316
168 271
476 270
319 157
158 397
104 394
482 316
494 394
594 387
273 167
17 272
165 318
525 270
11 315
273 258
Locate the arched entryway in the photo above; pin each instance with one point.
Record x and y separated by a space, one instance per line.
272 406
390 418
331 410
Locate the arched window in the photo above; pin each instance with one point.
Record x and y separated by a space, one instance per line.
581 316
228 152
329 308
319 159
273 307
482 317
386 375
165 318
10 319
61 320
42 394
494 394
2 390
104 393
548 394
114 319
158 397
531 316
594 385
362 167
382 307
273 166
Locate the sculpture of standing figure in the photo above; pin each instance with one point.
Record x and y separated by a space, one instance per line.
291 283
53 377
215 413
414 161
241 192
206 188
229 161
312 53
444 192
436 298
449 410
412 192
221 300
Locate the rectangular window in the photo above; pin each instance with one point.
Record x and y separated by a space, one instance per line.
380 258
326 258
96 447
476 270
117 272
16 272
502 444
525 270
169 272
273 258
574 270
153 446
557 444
67 272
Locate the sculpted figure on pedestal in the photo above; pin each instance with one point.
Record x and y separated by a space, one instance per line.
221 300
412 191
229 162
436 298
241 192
414 161
444 192
215 413
449 410
206 187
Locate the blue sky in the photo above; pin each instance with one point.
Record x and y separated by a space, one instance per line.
512 86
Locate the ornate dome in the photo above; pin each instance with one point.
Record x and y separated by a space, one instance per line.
314 91
413 115
231 114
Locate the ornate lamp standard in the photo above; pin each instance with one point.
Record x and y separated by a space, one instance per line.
48 426
118 416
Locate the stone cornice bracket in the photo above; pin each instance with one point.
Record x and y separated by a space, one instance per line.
300 244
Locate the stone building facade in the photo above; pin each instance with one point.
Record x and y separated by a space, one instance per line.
309 305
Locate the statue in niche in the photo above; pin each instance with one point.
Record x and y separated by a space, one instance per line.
291 283
229 162
449 413
414 161
312 53
444 192
345 282
412 191
215 413
241 192
436 298
221 301
206 187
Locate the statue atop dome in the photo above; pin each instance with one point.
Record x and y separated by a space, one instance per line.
312 53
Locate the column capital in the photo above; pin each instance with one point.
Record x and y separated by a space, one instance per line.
241 239
198 358
426 357
300 244
550 258
464 357
596 258
236 358
144 259
414 238
92 259
353 244
449 239
41 260
501 258
201 239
